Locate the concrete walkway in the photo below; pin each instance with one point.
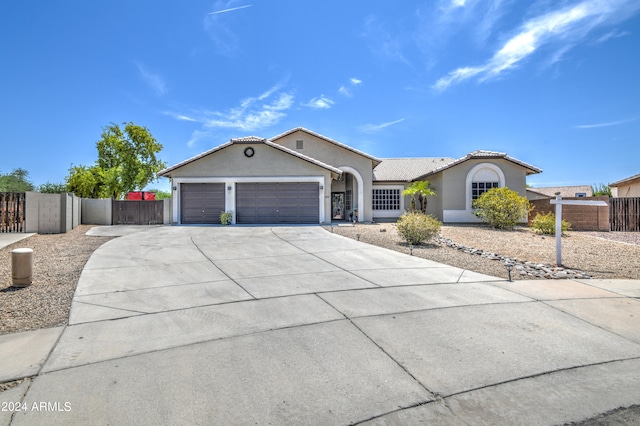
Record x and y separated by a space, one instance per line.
295 325
8 238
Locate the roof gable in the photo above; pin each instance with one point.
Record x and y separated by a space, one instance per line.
483 155
628 180
274 139
250 140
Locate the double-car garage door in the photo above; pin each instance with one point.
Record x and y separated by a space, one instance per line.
273 202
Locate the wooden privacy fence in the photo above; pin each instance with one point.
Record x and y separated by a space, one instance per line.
12 211
624 214
129 212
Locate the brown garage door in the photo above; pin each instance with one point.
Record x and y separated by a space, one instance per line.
201 203
290 202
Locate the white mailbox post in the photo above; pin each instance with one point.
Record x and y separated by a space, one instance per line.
559 202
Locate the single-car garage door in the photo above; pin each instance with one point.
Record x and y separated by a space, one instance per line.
277 202
201 203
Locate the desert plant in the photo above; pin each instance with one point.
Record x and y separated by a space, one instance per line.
601 189
420 189
415 227
545 223
501 207
226 217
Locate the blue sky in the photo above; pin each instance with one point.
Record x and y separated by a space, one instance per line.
553 83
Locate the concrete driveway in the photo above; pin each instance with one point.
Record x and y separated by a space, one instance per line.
295 325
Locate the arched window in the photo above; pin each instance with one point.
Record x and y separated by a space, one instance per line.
482 178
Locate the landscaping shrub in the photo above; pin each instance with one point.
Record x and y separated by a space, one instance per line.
226 217
545 223
415 227
501 208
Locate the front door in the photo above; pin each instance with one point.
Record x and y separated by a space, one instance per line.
337 206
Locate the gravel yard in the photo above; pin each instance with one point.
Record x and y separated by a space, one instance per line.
599 254
59 259
57 263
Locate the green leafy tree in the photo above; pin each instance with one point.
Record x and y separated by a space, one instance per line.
415 227
127 161
16 181
419 191
52 188
501 207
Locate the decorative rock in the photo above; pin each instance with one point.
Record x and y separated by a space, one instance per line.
524 268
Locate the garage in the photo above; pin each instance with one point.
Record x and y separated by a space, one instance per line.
277 202
201 203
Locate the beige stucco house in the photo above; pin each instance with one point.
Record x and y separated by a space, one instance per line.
303 177
628 187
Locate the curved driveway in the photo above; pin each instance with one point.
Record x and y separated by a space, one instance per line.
295 325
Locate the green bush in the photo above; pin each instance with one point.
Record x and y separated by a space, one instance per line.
501 208
415 227
226 217
545 223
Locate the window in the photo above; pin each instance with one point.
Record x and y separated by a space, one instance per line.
581 194
348 199
479 188
299 144
386 199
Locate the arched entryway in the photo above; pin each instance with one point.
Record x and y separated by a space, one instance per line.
347 196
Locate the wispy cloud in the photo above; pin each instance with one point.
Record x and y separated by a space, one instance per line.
197 136
611 35
154 81
230 9
345 90
559 29
252 113
373 128
383 41
320 103
607 124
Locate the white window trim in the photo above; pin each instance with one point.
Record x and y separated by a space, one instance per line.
388 213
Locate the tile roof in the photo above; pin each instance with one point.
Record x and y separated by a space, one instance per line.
406 169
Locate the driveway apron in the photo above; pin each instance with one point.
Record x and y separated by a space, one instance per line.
296 325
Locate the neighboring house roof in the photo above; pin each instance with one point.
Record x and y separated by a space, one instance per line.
251 140
375 160
406 169
480 154
625 181
565 191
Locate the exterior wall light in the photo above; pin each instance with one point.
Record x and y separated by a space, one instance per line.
509 267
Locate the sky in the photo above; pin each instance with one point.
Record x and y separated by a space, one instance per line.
553 83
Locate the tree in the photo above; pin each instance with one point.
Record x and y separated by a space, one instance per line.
421 190
601 189
160 195
52 188
16 181
501 207
126 162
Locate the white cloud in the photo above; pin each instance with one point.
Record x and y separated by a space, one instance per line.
559 29
196 137
154 81
320 103
608 124
252 113
372 128
355 81
221 26
612 34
